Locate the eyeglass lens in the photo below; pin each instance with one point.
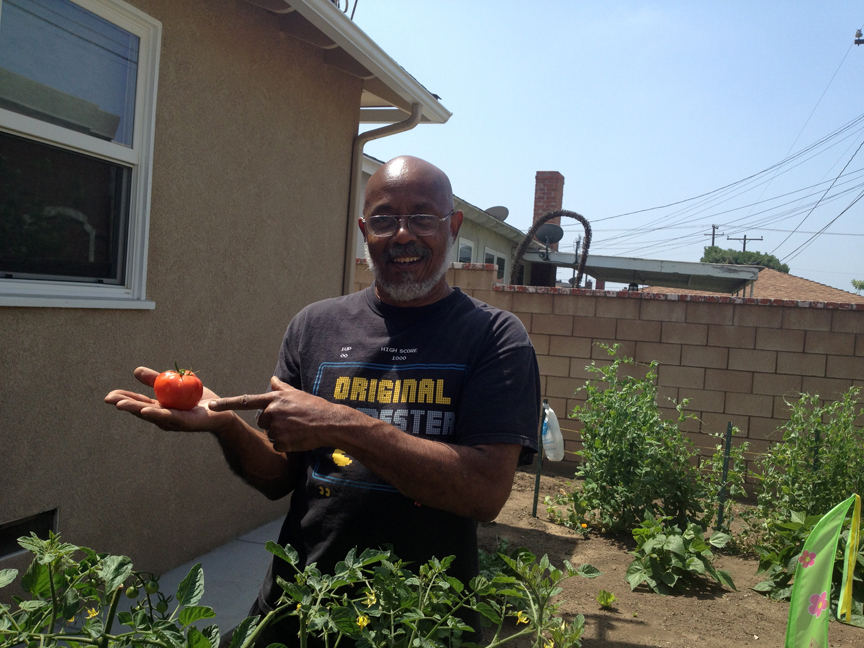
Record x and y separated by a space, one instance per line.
418 224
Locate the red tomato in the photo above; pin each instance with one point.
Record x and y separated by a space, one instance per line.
179 389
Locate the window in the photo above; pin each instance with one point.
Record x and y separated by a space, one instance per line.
466 250
495 257
77 108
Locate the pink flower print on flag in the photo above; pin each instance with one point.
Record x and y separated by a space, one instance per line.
807 558
818 604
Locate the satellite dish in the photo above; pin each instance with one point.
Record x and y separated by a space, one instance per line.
549 233
498 212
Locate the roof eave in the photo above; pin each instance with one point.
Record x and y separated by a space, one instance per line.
330 20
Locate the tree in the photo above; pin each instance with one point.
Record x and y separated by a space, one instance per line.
714 254
858 285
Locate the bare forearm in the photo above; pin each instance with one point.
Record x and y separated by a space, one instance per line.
470 481
252 457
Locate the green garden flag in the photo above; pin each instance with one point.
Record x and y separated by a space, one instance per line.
811 591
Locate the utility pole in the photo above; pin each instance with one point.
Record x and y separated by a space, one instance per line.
858 39
714 233
745 239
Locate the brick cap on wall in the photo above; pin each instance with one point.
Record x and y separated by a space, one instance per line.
625 294
455 265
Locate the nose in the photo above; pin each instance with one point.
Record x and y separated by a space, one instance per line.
403 234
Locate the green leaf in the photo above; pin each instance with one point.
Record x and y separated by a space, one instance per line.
169 633
288 554
196 639
726 579
764 586
588 571
212 633
191 588
7 576
455 583
487 611
243 631
675 544
345 620
695 565
35 604
114 570
35 580
636 574
719 539
193 613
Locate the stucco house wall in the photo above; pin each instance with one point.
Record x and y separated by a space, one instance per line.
251 169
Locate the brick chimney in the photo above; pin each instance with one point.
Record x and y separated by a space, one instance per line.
548 196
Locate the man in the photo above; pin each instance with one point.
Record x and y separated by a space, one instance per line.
396 415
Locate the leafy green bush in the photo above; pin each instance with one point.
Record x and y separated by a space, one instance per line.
778 558
633 461
820 461
668 560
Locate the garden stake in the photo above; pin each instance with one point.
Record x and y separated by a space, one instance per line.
722 497
539 457
816 451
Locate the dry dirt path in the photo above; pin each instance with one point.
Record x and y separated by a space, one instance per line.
716 618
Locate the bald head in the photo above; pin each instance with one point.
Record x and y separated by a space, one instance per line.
419 177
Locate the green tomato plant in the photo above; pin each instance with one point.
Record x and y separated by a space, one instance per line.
371 599
633 461
820 461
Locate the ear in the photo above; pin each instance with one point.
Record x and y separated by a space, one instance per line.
362 227
455 223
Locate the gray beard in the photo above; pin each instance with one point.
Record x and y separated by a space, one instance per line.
406 290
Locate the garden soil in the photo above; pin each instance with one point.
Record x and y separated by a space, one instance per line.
711 618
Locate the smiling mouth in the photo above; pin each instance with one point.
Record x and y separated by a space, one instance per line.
406 259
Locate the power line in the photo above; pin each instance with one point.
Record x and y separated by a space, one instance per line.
807 243
820 200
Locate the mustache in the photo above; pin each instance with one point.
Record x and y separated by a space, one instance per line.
409 249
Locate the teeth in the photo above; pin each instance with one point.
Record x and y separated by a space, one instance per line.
406 259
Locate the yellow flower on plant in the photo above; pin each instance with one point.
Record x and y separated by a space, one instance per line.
584 526
70 620
370 599
299 605
91 612
362 621
521 617
548 643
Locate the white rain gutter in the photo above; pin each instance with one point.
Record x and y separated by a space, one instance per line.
356 180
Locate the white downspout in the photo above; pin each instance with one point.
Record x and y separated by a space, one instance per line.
356 178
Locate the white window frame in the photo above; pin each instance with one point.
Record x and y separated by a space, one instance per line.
497 255
470 244
138 157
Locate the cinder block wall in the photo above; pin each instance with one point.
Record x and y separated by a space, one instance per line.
474 279
735 359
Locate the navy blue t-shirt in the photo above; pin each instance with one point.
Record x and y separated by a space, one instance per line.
457 371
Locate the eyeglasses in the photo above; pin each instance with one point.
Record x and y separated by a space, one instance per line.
418 224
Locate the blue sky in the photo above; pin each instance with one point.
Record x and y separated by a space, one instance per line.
640 104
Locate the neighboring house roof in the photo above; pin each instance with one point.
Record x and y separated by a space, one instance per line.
388 90
677 276
471 212
772 284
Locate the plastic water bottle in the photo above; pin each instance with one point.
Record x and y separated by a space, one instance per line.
553 442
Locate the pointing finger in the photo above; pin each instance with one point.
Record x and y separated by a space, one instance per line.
245 402
278 385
